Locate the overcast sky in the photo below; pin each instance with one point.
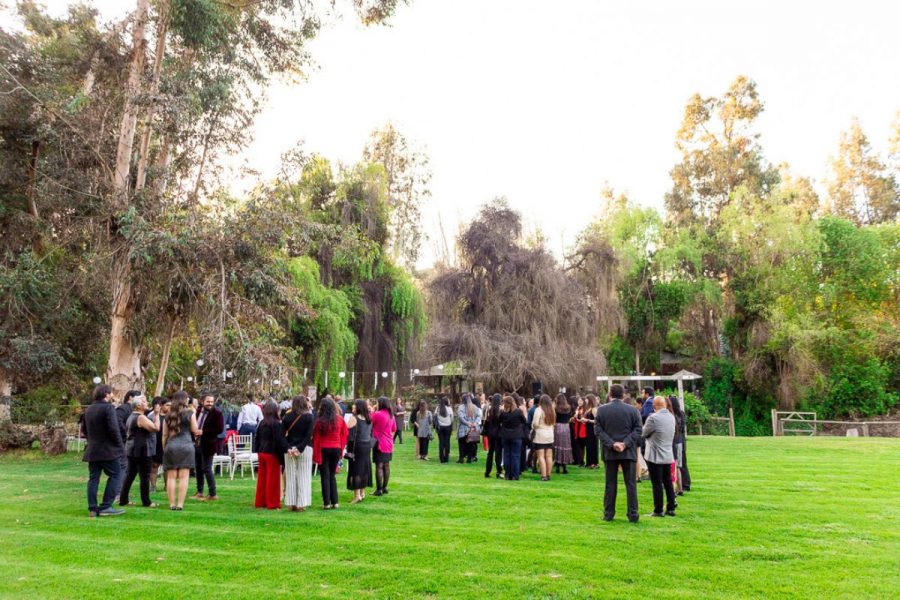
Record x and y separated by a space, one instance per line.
544 101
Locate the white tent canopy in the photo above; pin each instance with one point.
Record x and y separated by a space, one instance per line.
681 376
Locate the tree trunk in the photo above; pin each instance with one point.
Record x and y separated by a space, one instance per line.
637 361
144 147
130 111
32 180
124 369
164 360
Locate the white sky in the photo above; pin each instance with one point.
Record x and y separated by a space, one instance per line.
544 101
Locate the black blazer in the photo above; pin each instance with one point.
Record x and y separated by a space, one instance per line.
618 422
212 427
104 438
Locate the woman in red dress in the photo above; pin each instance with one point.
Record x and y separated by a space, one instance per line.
329 438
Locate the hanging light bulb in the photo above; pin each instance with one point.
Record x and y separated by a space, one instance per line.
97 380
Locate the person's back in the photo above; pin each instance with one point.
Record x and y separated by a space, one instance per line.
104 438
659 432
510 424
618 421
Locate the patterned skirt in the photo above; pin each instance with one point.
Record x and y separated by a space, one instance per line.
562 445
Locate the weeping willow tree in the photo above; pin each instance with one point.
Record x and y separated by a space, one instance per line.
368 314
510 312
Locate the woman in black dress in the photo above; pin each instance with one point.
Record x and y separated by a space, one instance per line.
592 450
359 448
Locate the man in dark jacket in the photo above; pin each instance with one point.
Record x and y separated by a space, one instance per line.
104 452
211 423
123 411
618 428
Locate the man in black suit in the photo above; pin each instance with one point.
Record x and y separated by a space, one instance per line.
104 452
123 411
211 423
618 428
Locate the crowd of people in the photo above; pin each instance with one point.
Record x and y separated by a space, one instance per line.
644 440
181 435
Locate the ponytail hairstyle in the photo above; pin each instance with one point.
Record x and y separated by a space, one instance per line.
470 407
445 406
494 413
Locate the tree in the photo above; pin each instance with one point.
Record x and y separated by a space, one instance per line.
861 188
509 312
408 177
720 153
235 44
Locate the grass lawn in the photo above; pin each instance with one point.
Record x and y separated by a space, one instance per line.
768 517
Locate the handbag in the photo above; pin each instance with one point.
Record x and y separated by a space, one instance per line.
472 436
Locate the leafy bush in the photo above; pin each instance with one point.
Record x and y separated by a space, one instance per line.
45 404
858 389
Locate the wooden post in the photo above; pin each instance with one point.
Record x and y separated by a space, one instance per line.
730 421
700 425
865 429
774 422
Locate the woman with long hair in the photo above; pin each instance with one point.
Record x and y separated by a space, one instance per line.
562 441
510 423
674 407
469 416
297 424
591 447
443 416
543 431
269 445
400 418
424 428
359 447
383 427
579 430
329 438
524 431
491 430
178 448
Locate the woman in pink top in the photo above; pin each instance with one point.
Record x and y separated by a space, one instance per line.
383 427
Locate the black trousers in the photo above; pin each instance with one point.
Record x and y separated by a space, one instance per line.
661 478
328 473
423 446
463 449
114 473
398 434
609 497
444 443
137 466
494 455
685 474
578 450
204 468
523 453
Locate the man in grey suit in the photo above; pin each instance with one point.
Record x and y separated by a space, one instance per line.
618 427
659 431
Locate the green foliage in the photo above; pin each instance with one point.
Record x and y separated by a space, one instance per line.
720 380
45 404
858 387
619 356
407 307
326 337
201 23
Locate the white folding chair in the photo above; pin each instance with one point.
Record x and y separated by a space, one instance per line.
242 454
223 461
73 438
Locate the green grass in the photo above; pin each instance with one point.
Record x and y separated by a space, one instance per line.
782 517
